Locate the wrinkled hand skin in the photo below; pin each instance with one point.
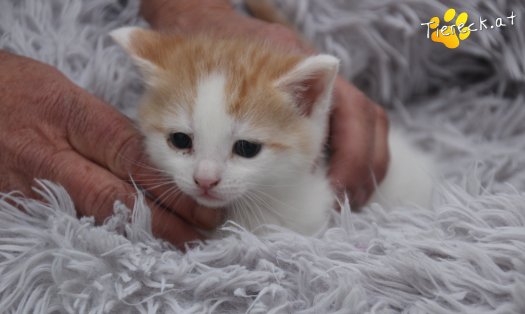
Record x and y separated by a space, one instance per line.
52 129
358 126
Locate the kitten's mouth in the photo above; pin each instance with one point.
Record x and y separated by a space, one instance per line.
210 200
207 195
210 196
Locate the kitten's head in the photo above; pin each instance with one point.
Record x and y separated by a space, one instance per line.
230 118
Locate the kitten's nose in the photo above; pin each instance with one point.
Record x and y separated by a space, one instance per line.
207 174
206 183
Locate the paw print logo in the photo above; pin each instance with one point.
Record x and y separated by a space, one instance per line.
450 35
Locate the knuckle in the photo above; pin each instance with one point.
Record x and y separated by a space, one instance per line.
57 163
125 152
49 166
52 165
34 151
101 199
117 141
21 151
78 119
58 108
25 154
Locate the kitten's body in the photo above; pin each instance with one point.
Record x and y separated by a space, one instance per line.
206 95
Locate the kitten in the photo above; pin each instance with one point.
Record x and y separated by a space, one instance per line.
241 125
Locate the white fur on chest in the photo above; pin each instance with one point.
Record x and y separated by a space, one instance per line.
302 207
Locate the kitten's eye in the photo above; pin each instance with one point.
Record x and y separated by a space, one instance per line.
246 149
180 140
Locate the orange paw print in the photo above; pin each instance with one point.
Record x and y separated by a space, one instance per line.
451 35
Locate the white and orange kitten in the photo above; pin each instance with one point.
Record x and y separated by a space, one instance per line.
240 124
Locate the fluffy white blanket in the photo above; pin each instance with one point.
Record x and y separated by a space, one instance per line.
465 254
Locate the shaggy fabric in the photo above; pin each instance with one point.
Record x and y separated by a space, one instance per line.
465 254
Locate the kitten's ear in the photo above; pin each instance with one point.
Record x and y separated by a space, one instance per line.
140 44
310 82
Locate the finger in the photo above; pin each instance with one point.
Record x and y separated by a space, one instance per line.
379 158
352 134
105 136
95 190
102 134
381 149
15 184
170 227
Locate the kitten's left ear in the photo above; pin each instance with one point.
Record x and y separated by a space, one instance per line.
310 83
141 45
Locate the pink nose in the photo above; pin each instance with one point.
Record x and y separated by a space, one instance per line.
206 183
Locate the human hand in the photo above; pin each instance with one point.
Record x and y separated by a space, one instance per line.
358 127
52 129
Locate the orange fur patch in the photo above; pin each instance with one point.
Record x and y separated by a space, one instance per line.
251 68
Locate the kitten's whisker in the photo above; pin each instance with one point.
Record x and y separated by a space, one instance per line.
270 208
172 192
256 209
134 162
149 167
271 185
153 178
169 199
184 181
287 220
264 194
243 211
253 207
154 181
156 186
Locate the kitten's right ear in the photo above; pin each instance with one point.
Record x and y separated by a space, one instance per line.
140 44
310 83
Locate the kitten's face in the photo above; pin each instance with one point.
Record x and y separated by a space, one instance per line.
218 155
230 120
